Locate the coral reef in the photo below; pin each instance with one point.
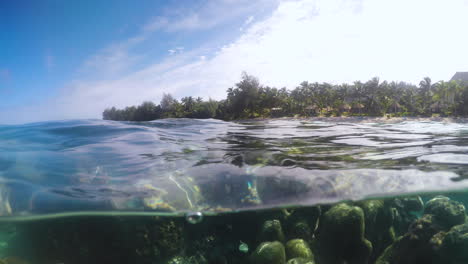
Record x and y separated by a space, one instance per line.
405 211
447 212
437 237
298 248
379 217
271 231
414 246
453 245
340 236
300 261
360 232
302 222
269 253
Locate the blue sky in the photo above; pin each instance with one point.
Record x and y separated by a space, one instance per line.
72 59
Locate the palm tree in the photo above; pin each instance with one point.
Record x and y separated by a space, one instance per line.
426 88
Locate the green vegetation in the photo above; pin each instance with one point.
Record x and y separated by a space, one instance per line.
250 99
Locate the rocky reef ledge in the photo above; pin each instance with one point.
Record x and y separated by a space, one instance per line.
403 230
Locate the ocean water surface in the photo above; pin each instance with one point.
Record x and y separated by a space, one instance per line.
210 191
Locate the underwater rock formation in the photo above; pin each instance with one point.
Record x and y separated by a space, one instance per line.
447 212
298 248
13 260
414 246
411 204
302 222
271 231
453 247
405 211
168 237
340 236
299 229
300 261
189 260
269 253
439 236
379 230
352 233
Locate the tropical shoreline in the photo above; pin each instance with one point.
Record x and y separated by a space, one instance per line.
363 119
372 99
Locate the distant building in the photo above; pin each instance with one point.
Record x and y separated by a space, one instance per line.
460 77
276 111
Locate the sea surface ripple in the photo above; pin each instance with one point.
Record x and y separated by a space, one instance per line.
184 165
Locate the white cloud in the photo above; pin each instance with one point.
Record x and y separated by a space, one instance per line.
210 14
248 20
333 41
339 41
114 59
176 50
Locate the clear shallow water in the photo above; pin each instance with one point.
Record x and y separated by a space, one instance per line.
95 191
177 166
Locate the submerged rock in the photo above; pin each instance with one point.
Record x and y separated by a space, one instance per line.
298 248
340 236
299 229
447 212
379 230
405 210
300 261
177 260
412 204
301 222
188 260
453 246
439 236
272 231
243 247
13 260
288 162
415 246
269 253
169 237
409 204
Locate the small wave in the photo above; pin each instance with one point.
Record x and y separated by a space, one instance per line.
178 165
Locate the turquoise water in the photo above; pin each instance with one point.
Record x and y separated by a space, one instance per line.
209 191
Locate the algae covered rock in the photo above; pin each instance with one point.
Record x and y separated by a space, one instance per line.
340 236
269 253
447 212
300 261
301 222
454 245
405 211
188 260
409 204
379 218
298 248
299 229
272 231
168 237
415 246
412 204
177 260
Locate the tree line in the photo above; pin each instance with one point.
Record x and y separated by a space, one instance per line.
250 99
